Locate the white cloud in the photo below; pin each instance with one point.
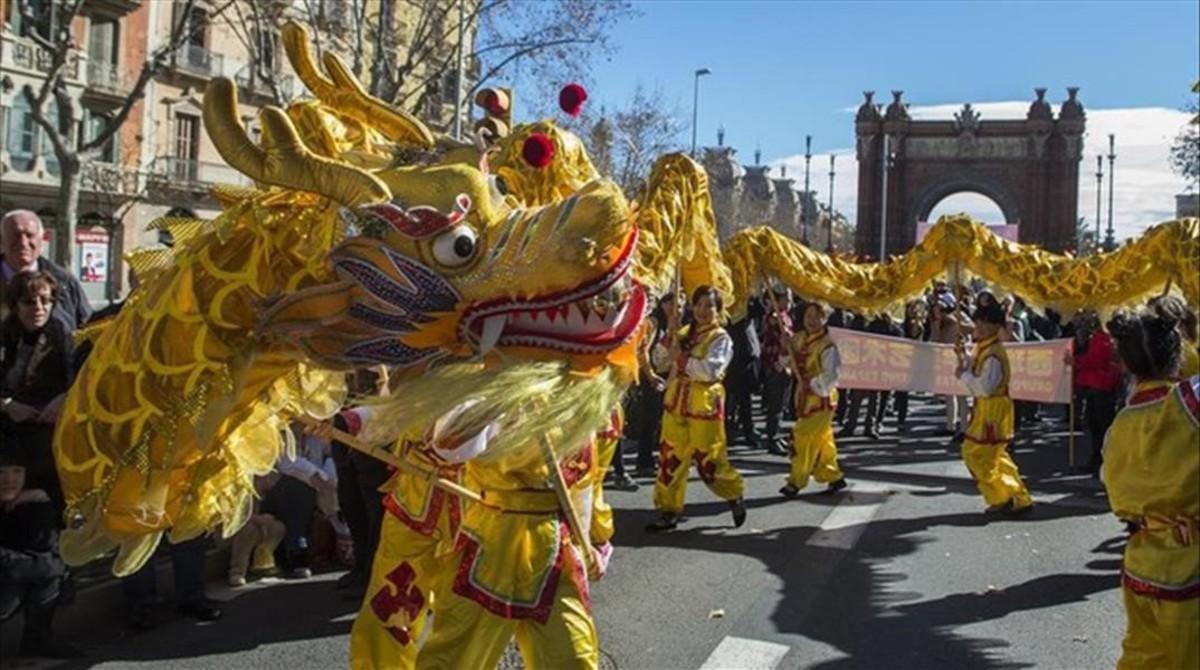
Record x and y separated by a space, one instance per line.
1145 185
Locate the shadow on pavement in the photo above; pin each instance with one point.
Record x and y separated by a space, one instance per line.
284 612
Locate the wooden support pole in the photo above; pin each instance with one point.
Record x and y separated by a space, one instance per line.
310 424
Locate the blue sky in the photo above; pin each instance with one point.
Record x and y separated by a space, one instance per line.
785 69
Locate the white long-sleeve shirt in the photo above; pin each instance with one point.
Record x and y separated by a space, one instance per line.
312 457
712 366
987 381
831 366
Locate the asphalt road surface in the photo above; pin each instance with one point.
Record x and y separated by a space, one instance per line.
901 570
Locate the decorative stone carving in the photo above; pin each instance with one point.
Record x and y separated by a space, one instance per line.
1039 109
897 111
1072 109
967 120
868 111
969 146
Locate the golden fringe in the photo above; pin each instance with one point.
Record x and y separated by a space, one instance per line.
527 401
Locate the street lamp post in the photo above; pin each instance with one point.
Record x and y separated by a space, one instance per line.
1110 240
696 104
885 164
829 224
807 193
1099 191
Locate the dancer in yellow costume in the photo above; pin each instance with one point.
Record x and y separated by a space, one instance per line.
693 429
518 572
420 526
1152 473
814 452
985 449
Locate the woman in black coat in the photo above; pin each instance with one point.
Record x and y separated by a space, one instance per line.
35 372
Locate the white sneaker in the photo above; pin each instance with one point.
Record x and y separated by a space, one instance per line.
237 580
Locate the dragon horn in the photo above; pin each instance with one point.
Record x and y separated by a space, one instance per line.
283 159
344 93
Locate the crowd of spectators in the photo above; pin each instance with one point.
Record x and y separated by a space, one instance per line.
760 375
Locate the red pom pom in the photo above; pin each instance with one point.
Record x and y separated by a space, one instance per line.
538 150
571 99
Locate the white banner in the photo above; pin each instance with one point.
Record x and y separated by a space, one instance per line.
877 362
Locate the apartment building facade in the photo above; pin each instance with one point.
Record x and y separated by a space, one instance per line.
162 160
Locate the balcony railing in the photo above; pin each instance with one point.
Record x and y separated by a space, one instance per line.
22 53
191 175
106 78
198 60
254 82
109 178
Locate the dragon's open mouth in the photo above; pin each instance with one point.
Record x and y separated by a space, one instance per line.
594 317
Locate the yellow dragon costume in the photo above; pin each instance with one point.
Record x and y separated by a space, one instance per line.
512 319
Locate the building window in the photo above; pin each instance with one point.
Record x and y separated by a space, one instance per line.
187 147
21 134
265 51
102 41
43 13
96 122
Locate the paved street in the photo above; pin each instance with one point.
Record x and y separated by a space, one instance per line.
900 571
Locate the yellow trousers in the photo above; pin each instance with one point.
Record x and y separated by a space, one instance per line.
814 452
1160 634
995 473
468 635
405 573
685 441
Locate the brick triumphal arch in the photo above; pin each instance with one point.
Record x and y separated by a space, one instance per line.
1029 167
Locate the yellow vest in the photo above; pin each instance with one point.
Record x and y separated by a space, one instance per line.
1152 473
991 348
809 356
693 399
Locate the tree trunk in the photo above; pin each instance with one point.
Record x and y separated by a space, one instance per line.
68 210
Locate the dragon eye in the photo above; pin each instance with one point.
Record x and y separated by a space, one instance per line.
455 247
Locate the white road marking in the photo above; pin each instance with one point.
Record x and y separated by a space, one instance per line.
739 653
846 523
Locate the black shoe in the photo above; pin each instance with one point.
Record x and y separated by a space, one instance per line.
737 507
300 572
141 619
788 491
834 487
623 482
1019 511
774 449
872 433
846 432
663 524
1002 508
201 610
350 580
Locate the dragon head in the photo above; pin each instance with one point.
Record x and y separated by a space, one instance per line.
439 263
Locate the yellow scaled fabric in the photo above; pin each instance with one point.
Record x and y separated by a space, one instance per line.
814 451
985 447
693 431
1168 252
1152 474
416 542
177 407
679 232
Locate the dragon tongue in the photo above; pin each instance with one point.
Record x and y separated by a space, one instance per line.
493 327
